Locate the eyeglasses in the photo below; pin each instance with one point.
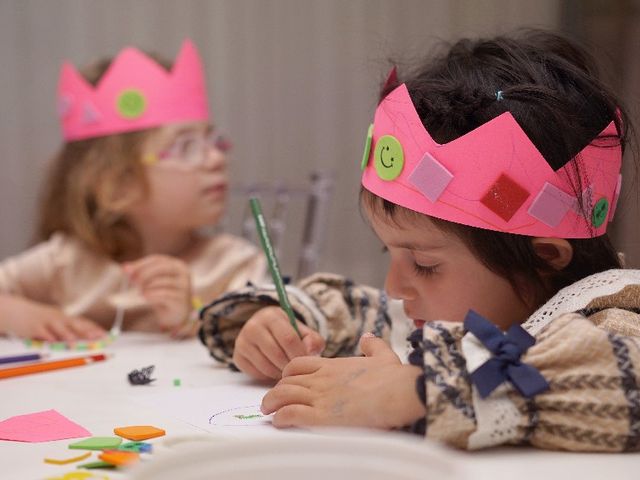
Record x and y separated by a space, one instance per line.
190 149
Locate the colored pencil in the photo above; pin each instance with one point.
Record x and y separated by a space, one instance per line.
265 241
53 365
26 357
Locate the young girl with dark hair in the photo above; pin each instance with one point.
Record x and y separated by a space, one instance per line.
490 175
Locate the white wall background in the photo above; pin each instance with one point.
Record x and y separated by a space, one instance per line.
294 83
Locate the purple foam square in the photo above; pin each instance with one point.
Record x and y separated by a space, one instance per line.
430 177
89 114
551 205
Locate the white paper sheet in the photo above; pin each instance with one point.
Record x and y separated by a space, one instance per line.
232 410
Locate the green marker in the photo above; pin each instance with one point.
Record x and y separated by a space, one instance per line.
261 226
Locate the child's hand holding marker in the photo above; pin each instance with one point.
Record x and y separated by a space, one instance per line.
267 343
273 336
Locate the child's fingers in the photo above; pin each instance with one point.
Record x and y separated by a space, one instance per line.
285 394
143 270
256 333
313 342
41 332
173 283
372 346
254 358
271 349
61 329
173 275
303 366
86 329
287 337
187 330
295 416
169 295
257 346
244 365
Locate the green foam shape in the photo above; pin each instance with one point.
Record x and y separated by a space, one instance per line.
100 464
97 443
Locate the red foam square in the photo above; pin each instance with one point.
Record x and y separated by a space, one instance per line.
505 197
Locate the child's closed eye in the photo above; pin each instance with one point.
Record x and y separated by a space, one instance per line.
425 270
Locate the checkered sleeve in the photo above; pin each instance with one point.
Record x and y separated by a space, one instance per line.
336 307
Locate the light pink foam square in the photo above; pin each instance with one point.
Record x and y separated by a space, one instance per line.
430 177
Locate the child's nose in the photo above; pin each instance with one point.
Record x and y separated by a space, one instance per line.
214 159
396 286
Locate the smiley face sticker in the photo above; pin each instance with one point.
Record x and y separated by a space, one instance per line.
388 157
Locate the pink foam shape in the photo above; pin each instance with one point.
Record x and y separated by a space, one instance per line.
44 426
89 114
551 205
475 160
430 177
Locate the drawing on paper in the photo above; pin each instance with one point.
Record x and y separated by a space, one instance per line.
240 417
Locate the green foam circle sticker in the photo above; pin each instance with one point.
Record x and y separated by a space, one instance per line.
599 213
131 103
388 157
367 148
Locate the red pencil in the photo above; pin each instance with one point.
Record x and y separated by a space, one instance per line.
53 365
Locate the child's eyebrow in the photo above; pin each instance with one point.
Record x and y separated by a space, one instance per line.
419 246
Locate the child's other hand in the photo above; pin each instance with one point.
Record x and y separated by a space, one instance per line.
374 391
268 342
27 319
166 284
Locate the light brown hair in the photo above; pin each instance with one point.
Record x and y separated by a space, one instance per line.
83 190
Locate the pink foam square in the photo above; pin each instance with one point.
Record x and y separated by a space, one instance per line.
551 205
430 177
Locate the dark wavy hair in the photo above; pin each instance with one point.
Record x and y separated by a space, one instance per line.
552 88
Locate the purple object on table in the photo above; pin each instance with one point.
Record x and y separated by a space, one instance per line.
27 357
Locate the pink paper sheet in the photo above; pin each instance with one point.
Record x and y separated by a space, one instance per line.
40 427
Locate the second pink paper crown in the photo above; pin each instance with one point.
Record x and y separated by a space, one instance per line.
493 177
135 93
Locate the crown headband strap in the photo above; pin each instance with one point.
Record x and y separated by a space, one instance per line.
135 93
493 177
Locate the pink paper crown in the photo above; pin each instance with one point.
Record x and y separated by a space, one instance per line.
135 93
493 177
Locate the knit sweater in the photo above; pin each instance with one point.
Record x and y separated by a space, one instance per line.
587 348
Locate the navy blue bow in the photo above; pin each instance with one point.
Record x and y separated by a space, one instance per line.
505 364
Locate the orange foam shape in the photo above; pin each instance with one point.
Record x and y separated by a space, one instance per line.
140 432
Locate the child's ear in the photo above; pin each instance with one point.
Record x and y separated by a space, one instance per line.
557 252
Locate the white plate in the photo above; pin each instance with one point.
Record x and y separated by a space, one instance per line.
331 455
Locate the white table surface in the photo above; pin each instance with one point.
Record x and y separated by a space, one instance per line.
99 398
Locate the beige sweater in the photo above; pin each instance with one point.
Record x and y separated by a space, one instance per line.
62 272
587 347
